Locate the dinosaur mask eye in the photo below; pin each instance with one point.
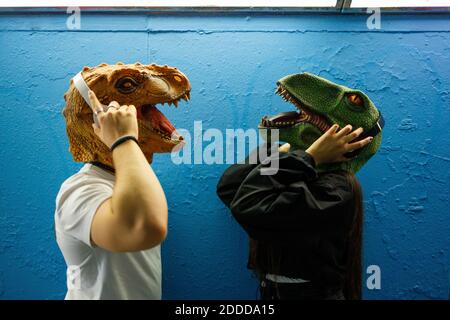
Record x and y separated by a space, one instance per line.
355 99
126 85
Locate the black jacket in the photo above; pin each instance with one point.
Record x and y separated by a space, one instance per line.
298 215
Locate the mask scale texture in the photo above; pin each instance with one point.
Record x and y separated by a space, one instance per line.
143 86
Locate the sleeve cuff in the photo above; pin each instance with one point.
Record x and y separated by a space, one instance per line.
306 157
309 158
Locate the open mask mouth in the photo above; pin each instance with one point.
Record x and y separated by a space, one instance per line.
155 121
292 118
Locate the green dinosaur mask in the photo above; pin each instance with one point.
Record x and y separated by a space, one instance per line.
322 103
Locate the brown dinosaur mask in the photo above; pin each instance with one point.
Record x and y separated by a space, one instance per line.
143 86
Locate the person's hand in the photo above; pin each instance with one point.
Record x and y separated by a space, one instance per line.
333 144
117 121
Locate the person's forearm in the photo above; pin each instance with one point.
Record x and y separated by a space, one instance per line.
138 195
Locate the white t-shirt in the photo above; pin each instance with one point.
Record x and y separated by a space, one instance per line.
94 273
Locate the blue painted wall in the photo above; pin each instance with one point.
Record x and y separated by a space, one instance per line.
233 62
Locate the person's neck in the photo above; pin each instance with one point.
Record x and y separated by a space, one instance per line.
103 166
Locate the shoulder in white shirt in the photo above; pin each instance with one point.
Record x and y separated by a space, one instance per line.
94 273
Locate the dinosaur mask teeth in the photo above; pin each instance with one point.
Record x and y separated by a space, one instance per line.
284 119
185 96
304 114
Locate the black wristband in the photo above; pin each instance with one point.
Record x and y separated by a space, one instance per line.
122 140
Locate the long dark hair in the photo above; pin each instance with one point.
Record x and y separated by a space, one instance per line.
353 277
263 255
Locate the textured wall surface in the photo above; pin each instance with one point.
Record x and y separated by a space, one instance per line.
233 63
